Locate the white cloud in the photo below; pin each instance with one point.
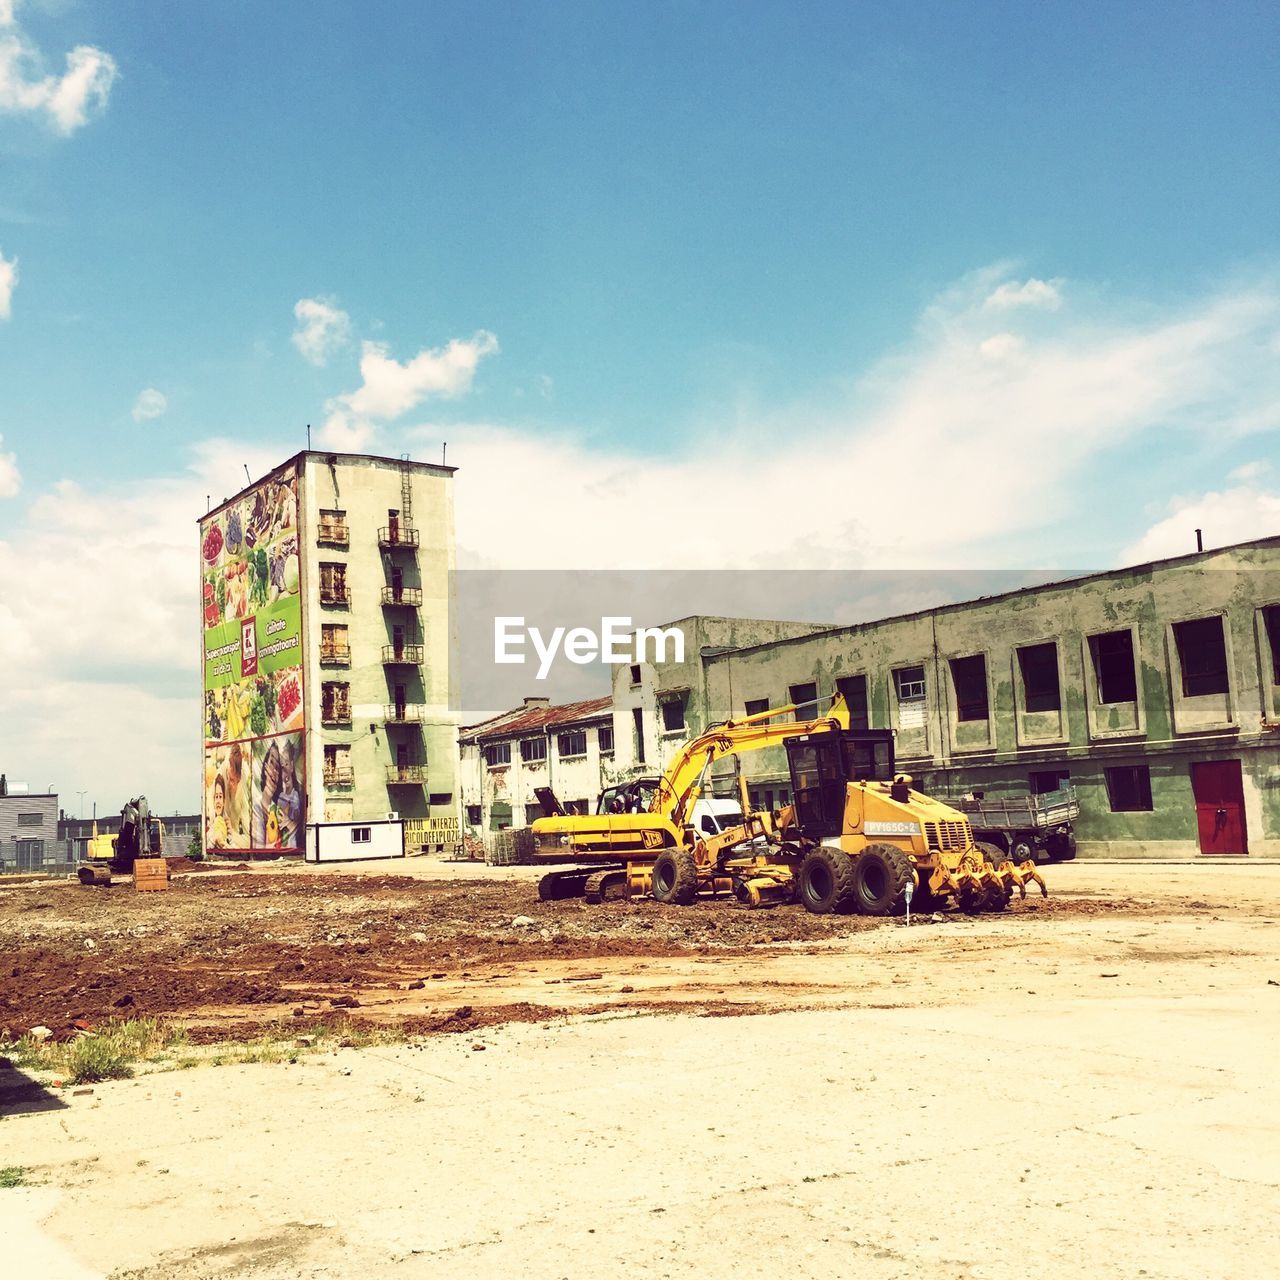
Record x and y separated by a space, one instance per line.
323 329
390 389
149 404
67 100
1250 471
8 283
10 476
1001 346
1240 513
1046 294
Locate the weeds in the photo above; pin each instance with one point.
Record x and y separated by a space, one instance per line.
13 1175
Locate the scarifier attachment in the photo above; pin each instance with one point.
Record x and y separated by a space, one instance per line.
978 885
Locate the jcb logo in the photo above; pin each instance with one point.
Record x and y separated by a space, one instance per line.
651 839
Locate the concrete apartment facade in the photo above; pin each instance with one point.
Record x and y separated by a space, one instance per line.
365 650
1153 690
505 759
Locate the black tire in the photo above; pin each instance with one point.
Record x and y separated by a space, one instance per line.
1022 850
992 854
824 882
881 874
675 878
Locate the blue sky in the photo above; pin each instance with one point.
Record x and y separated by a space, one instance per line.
1024 254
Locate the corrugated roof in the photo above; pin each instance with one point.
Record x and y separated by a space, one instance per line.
524 720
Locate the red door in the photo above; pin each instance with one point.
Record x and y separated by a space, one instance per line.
1219 794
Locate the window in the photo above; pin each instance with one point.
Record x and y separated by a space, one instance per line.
1112 655
474 816
361 835
635 675
969 680
909 682
1047 780
1202 655
335 702
673 715
333 583
337 765
441 799
497 754
573 743
1271 620
805 697
333 527
532 812
756 706
854 691
532 749
637 718
1038 665
31 819
334 644
604 737
1129 788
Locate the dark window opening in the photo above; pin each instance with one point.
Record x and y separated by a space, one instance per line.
1047 780
854 689
1202 655
1112 654
1271 621
756 706
805 697
637 716
1129 789
532 812
439 799
1038 664
635 675
673 715
604 738
497 753
969 679
474 816
573 743
533 749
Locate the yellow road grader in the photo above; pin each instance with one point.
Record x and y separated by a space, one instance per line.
856 836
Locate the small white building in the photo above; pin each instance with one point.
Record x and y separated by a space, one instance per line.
505 759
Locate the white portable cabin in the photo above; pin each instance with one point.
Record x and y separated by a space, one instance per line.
354 841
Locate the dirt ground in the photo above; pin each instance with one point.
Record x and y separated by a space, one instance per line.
1083 1086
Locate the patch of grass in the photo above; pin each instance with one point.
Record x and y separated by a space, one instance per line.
95 1058
13 1175
109 1053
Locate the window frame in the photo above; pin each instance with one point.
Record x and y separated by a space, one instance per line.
1140 779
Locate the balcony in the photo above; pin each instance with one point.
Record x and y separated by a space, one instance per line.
335 778
408 774
335 655
408 596
333 533
338 597
409 655
404 713
403 535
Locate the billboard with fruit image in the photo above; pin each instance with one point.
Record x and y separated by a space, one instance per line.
253 707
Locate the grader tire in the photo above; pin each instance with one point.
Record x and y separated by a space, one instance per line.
675 878
881 874
824 882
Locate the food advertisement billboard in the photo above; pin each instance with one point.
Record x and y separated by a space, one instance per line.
254 763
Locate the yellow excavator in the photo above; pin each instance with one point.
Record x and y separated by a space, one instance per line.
856 836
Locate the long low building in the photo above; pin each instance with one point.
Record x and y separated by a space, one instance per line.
1153 691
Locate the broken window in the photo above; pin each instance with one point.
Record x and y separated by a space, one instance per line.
909 682
333 583
637 717
635 675
333 527
969 680
573 743
1202 655
334 644
532 812
335 702
854 689
604 738
1047 780
805 697
1129 788
497 754
673 715
1271 621
756 706
532 749
1038 664
337 765
1112 655
474 816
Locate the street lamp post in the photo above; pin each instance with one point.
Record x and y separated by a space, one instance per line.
82 795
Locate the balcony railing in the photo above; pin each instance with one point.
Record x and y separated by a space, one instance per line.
406 654
333 532
339 777
411 774
398 536
411 596
338 596
335 655
404 712
335 715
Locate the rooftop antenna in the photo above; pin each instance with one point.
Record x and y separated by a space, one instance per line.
308 437
208 503
1199 540
247 476
444 451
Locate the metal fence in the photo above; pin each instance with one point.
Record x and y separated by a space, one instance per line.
39 857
